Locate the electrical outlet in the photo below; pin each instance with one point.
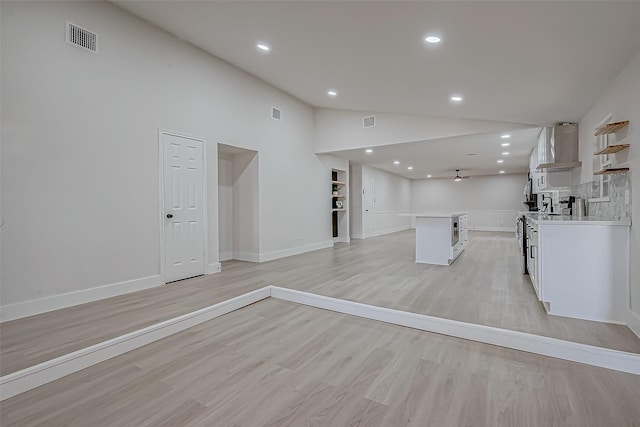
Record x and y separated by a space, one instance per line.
502 222
627 197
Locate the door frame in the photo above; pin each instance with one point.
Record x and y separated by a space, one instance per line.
368 233
205 205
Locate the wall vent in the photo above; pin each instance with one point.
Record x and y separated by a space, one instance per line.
82 37
276 114
369 122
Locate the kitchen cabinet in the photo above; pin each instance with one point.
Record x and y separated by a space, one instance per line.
544 175
579 267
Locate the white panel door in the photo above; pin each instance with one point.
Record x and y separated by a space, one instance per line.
368 207
183 207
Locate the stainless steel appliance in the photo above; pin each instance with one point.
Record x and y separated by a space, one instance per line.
455 230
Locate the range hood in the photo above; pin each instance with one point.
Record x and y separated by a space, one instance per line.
558 147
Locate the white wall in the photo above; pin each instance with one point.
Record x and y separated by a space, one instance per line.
342 130
392 195
492 201
355 204
622 99
80 161
225 205
246 208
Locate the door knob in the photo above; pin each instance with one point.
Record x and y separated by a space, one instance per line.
169 216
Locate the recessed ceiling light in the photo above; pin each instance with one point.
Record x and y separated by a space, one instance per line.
500 161
368 150
505 144
397 162
428 176
501 171
410 167
332 92
263 47
432 39
456 98
505 136
505 153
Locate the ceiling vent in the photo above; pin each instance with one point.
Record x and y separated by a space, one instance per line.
81 37
369 122
276 114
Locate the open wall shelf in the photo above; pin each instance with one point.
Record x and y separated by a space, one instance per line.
611 171
611 149
611 128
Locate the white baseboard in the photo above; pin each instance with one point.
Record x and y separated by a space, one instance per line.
216 267
268 256
43 373
56 302
225 256
358 237
552 347
390 230
246 256
633 321
341 240
505 229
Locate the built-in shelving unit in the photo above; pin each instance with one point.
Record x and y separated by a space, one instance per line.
611 128
611 171
339 217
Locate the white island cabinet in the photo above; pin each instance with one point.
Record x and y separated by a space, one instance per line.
579 267
440 236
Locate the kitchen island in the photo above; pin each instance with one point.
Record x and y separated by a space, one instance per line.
441 236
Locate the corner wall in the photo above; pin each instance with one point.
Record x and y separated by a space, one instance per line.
80 160
622 100
392 195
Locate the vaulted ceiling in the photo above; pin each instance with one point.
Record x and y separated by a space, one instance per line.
531 62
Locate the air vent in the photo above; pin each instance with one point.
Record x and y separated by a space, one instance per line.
81 37
276 114
369 122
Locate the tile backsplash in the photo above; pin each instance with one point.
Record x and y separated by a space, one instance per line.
614 208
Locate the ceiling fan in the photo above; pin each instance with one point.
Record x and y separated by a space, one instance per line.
458 178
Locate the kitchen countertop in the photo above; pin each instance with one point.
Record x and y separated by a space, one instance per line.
540 218
435 214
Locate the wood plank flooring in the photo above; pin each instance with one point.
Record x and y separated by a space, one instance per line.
282 364
483 286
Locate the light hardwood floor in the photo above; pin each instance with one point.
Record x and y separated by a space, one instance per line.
282 364
483 286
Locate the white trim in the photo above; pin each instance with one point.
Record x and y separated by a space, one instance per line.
246 256
216 267
567 350
56 302
225 256
341 240
397 229
633 321
205 202
268 256
51 370
505 229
